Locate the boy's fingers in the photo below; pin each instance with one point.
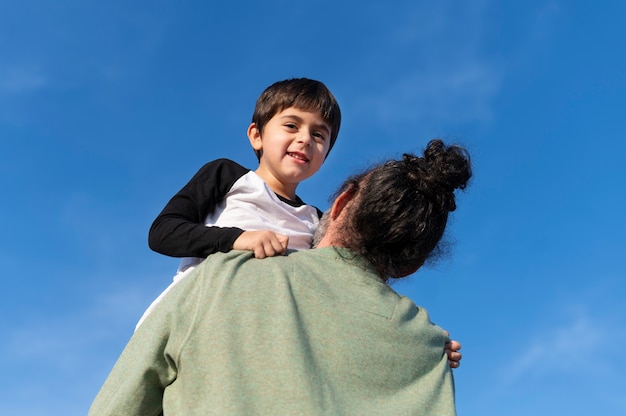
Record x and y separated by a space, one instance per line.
262 243
283 240
259 252
270 247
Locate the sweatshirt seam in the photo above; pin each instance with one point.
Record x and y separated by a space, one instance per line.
193 321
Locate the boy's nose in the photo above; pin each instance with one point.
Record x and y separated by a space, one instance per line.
304 136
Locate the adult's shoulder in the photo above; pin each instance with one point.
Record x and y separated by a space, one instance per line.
355 266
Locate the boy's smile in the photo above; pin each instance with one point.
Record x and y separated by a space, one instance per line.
293 146
298 156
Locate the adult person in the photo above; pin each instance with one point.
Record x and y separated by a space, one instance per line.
317 332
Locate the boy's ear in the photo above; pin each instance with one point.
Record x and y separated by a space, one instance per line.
254 135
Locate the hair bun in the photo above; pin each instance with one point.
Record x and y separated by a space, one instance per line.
440 171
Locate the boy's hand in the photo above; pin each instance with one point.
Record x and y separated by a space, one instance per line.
454 356
263 243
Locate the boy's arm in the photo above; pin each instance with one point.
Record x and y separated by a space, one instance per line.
179 229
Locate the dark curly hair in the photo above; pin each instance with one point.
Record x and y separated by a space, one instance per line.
400 207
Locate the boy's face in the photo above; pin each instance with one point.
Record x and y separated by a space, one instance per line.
293 146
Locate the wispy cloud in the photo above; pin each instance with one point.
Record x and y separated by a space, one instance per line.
20 80
584 342
64 341
418 82
438 65
63 356
576 346
68 44
569 352
463 93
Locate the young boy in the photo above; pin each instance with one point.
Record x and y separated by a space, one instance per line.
226 206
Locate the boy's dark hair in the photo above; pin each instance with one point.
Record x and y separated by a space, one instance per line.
301 93
401 207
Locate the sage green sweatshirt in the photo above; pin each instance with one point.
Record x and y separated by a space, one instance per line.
314 332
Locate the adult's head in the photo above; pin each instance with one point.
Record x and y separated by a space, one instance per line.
301 93
395 214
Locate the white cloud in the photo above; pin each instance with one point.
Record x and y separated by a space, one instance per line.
462 93
581 345
21 80
574 347
61 357
438 66
63 340
415 80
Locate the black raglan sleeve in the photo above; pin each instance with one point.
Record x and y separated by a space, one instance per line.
179 229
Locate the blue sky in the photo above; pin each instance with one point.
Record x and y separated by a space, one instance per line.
108 108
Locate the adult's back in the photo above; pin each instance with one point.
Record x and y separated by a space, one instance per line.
311 333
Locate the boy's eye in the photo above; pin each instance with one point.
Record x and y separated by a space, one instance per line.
319 135
290 126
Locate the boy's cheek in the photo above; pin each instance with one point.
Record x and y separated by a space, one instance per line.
324 149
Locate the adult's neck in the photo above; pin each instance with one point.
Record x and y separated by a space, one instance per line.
330 237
